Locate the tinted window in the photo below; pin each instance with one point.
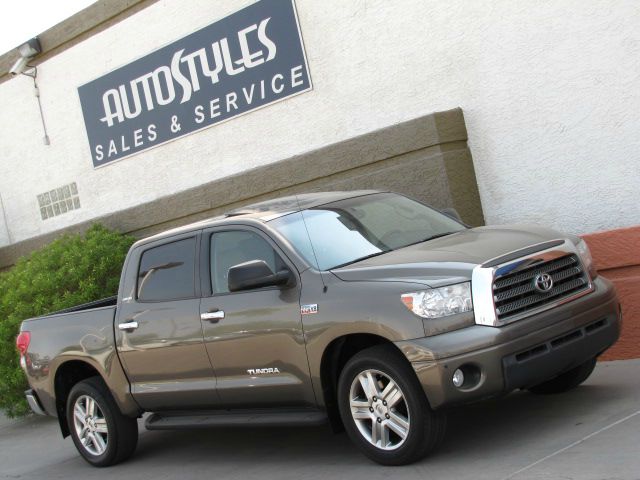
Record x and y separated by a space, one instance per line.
167 272
235 247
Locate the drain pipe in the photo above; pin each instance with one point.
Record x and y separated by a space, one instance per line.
4 221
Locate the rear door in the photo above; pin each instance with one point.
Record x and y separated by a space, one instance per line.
158 329
254 338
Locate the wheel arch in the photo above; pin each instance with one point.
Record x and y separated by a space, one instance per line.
68 374
334 357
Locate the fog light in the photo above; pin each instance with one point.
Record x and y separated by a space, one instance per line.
458 378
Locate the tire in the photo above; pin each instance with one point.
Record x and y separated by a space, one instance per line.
424 429
567 380
108 436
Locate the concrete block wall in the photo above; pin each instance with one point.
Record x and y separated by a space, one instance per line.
616 254
426 158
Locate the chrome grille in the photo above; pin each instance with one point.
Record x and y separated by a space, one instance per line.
515 293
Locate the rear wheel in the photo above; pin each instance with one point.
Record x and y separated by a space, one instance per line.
385 410
102 435
567 380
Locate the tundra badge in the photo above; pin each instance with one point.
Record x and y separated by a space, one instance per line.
262 371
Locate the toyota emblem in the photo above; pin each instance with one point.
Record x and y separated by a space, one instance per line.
543 282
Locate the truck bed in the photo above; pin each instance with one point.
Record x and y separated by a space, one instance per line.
84 332
103 302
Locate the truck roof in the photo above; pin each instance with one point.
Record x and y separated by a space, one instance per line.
266 210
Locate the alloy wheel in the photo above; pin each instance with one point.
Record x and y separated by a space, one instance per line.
379 409
90 425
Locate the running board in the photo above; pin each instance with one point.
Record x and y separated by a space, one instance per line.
235 418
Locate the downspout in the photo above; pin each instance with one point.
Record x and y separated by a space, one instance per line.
4 221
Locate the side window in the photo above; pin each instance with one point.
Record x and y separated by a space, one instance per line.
235 247
167 271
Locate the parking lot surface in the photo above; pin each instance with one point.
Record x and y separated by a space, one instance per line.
592 432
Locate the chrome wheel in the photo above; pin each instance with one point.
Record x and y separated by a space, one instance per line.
379 409
90 424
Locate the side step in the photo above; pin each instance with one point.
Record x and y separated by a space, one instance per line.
235 418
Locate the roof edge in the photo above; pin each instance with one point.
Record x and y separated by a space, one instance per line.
82 25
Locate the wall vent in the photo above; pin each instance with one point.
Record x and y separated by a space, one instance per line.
59 201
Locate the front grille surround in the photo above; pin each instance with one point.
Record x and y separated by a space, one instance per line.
504 292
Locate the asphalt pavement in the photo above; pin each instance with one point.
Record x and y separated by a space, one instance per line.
592 432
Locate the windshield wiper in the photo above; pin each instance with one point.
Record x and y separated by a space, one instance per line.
360 259
430 237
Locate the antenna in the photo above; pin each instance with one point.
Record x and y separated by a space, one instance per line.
304 222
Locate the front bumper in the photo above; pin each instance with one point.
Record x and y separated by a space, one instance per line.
518 355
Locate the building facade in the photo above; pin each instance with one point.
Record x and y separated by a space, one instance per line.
511 112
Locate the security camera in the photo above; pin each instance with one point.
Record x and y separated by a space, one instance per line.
27 51
19 66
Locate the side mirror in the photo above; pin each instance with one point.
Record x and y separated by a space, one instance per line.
256 274
452 213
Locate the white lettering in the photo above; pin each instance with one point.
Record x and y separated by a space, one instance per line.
296 73
249 95
110 114
199 111
183 81
125 102
112 149
273 83
214 106
171 92
191 65
231 100
226 57
217 61
249 59
266 41
151 133
144 81
158 87
137 138
125 147
99 153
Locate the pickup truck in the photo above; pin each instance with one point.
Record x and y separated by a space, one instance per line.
367 310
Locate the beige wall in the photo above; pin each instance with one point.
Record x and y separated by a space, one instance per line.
549 89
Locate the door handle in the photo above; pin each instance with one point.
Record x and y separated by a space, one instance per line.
128 326
213 315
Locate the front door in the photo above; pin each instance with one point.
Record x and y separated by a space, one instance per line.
254 337
163 352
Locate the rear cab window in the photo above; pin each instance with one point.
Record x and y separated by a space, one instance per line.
167 272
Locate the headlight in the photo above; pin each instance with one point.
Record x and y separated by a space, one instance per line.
440 302
587 259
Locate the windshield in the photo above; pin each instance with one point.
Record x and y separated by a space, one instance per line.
350 230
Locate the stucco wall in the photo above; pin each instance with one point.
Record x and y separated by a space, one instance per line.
550 91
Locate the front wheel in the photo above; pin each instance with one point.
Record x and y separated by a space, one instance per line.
385 410
100 432
567 380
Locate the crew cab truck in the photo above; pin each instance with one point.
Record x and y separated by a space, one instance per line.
366 309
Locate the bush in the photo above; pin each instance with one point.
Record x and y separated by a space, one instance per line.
73 269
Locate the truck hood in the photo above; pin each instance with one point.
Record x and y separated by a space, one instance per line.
449 259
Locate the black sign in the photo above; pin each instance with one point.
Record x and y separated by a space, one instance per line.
247 60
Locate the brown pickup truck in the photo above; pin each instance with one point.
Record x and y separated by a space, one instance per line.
368 310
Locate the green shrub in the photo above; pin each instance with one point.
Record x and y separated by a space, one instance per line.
73 269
